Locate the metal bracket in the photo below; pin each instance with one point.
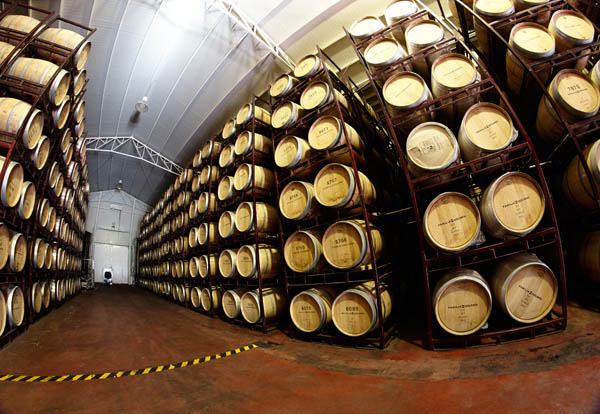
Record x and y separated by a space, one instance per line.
141 151
253 28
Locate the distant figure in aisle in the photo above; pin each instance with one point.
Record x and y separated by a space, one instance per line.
108 274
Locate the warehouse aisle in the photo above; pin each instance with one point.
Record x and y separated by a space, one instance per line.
124 328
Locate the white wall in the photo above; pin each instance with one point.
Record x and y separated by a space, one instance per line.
114 221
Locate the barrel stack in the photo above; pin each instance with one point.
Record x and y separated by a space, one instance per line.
484 219
329 154
44 192
549 56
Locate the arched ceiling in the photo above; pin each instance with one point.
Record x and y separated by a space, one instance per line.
196 66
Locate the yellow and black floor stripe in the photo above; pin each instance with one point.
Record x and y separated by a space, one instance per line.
132 372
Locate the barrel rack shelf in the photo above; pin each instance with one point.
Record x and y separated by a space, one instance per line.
377 149
469 178
64 239
574 223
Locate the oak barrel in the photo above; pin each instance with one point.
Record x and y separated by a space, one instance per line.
318 93
231 301
36 297
512 205
297 201
267 217
227 263
268 257
226 156
41 72
4 245
250 110
226 188
227 224
18 252
13 114
39 156
286 114
462 301
346 244
355 311
273 302
245 141
524 287
576 185
282 86
307 66
572 29
490 10
419 35
208 265
292 151
431 147
327 132
242 179
15 303
67 39
404 91
310 310
210 297
335 187
400 10
27 200
366 26
589 256
12 183
452 223
303 251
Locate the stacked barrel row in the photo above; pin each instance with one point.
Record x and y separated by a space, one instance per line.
329 167
43 205
547 57
485 221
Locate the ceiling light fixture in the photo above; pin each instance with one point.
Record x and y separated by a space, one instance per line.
119 186
142 106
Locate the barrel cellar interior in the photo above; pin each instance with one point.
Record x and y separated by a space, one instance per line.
290 205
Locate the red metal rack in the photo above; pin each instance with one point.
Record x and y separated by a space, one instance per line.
464 178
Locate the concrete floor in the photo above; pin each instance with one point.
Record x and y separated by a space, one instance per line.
123 328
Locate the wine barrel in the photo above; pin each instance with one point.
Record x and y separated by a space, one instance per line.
227 224
327 133
431 147
4 245
193 210
335 187
303 251
226 188
297 201
50 224
249 111
286 114
3 313
264 178
39 253
211 148
46 294
12 183
195 296
60 115
41 72
211 298
318 93
403 92
307 66
452 223
15 303
229 129
383 52
346 244
27 200
49 257
208 265
227 263
209 173
572 29
13 114
67 39
245 141
231 301
355 311
207 233
267 218
462 301
490 11
366 26
226 156
182 294
576 185
207 202
268 257
533 42
419 35
18 252
449 73
513 204
79 111
19 23
573 106
273 302
485 129
399 10
5 50
292 151
524 287
193 237
589 256
79 128
79 82
40 155
282 86
310 310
